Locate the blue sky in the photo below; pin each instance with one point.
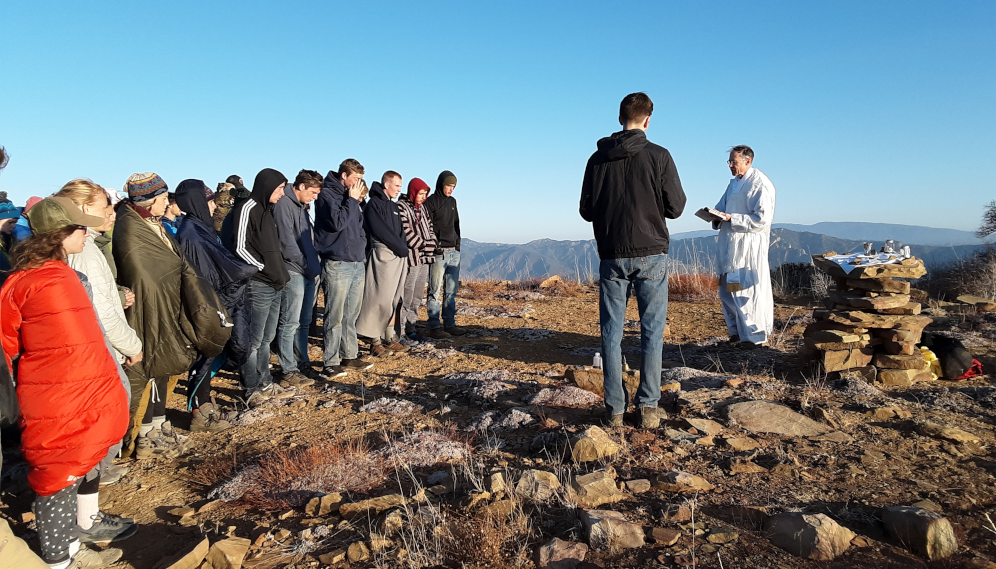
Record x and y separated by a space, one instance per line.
857 111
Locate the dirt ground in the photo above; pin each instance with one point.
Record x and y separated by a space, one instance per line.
535 337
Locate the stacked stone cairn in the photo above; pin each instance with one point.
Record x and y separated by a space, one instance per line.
871 325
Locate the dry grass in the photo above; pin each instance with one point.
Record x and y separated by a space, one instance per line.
483 539
691 287
286 478
488 289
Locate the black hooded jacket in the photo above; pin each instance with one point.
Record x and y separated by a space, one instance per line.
382 222
444 214
630 188
227 274
250 233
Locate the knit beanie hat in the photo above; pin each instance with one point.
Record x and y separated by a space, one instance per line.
31 201
449 180
144 187
208 194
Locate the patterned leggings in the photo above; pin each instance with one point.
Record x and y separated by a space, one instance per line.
56 520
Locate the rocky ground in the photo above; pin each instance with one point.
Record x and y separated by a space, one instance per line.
479 452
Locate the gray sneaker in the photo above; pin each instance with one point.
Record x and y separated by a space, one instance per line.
165 443
274 391
650 417
257 399
87 558
297 379
113 474
107 528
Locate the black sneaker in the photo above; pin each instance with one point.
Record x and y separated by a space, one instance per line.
310 373
439 334
455 330
356 365
333 371
107 528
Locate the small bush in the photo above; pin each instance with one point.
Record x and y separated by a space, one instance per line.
691 287
801 279
975 275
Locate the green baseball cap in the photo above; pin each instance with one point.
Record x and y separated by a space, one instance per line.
54 213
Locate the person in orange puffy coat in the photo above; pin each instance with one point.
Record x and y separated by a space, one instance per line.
74 406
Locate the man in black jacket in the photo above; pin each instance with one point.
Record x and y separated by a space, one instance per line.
387 266
444 276
630 188
250 233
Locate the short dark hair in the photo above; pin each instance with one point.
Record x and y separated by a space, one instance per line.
4 157
309 178
743 150
351 166
635 107
171 197
388 175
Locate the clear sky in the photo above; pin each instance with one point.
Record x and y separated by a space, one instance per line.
857 111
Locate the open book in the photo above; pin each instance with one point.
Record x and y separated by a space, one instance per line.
709 214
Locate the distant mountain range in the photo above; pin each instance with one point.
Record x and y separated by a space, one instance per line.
697 250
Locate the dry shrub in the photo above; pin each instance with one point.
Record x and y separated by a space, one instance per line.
286 478
427 448
481 290
483 539
690 287
975 275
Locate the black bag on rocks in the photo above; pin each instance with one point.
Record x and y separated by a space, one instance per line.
954 357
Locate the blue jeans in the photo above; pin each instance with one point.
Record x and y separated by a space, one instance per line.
264 312
444 282
304 324
291 300
342 282
647 278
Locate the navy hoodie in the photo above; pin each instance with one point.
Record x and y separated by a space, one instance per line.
296 235
382 221
339 234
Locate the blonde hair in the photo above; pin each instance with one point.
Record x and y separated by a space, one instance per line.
82 192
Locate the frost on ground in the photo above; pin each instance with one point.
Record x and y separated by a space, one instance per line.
386 406
530 334
479 348
489 391
520 295
858 388
429 351
425 448
494 421
251 416
569 396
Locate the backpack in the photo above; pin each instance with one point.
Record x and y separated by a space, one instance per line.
954 357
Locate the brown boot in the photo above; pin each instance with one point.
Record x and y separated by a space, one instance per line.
397 348
379 350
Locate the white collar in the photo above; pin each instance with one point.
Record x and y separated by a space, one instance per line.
747 174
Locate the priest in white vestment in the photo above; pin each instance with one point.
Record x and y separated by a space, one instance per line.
748 206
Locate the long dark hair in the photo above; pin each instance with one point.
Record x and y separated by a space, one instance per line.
38 249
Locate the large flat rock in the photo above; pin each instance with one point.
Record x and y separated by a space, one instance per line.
768 417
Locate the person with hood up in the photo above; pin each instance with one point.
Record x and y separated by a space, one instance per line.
297 301
250 233
630 188
74 406
341 243
229 277
150 264
444 276
421 239
387 265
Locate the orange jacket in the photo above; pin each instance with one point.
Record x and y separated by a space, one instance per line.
73 404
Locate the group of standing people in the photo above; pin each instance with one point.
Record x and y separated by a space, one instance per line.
109 301
629 191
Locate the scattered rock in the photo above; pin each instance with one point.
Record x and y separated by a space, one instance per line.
665 536
749 517
597 488
929 505
610 529
178 512
324 505
592 444
834 437
707 441
926 533
392 523
742 444
722 535
811 536
495 483
767 417
227 553
547 283
333 557
638 486
560 554
745 467
358 551
677 481
680 513
537 485
373 506
948 433
706 426
193 558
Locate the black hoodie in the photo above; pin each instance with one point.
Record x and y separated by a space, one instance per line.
382 222
630 188
251 234
444 214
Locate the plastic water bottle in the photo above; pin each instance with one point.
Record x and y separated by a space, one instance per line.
597 362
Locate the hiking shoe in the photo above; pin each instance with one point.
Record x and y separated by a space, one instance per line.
749 345
397 347
379 350
439 334
257 399
650 417
333 371
297 379
310 372
613 420
205 421
159 443
113 474
107 528
734 339
274 391
455 330
87 558
356 365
